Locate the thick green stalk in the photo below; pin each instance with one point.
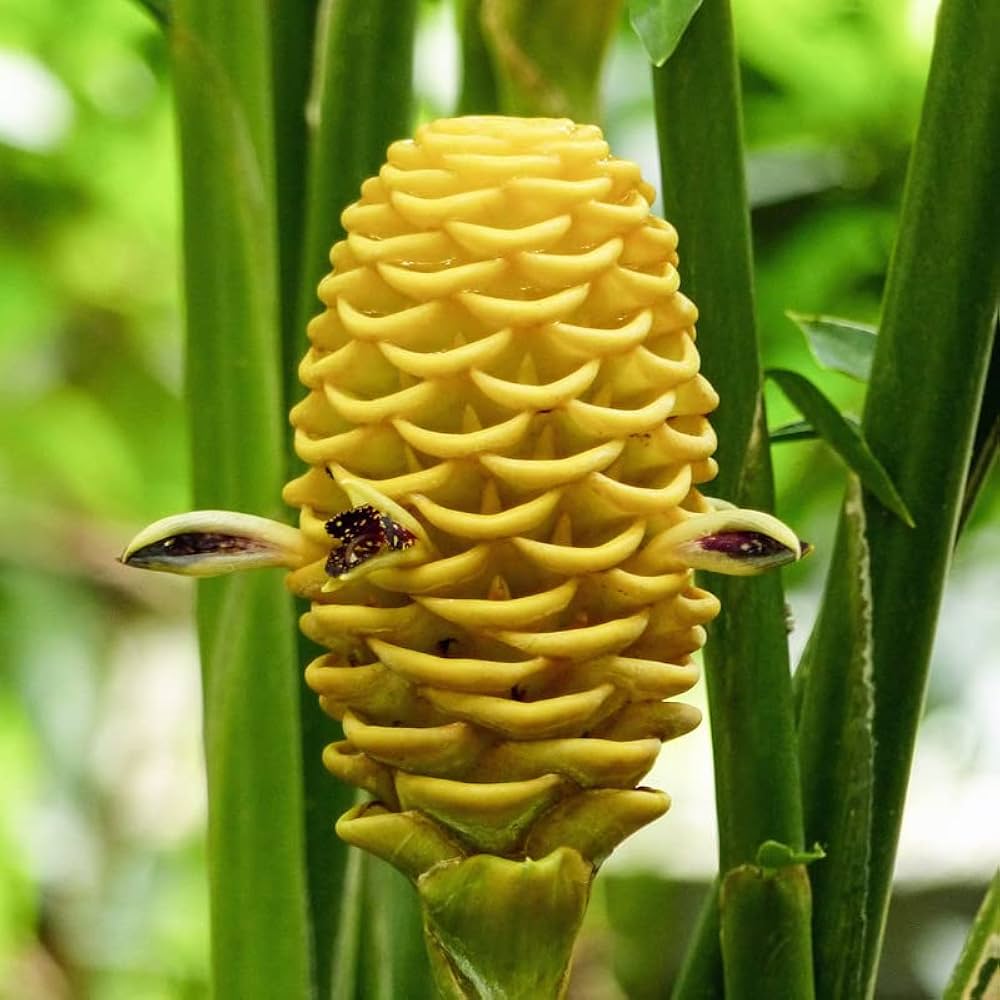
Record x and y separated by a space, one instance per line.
747 672
700 975
293 26
360 102
478 91
925 393
778 900
245 623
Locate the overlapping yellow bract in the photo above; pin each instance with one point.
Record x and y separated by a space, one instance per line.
506 366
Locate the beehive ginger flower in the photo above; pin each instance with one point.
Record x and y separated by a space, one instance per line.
506 434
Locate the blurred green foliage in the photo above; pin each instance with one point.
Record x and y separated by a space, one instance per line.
101 861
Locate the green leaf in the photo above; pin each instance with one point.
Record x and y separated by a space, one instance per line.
846 440
802 430
977 974
660 24
159 10
838 344
836 748
986 443
797 430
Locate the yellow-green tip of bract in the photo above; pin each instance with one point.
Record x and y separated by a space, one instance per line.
506 430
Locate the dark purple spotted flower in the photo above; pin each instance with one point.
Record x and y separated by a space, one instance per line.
363 532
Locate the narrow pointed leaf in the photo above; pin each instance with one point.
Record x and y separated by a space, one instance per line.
845 439
977 974
797 430
159 10
660 25
802 430
986 443
836 748
838 344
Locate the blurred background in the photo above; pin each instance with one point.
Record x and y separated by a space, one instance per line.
102 880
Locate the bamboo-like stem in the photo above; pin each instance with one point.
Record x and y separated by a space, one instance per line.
224 102
478 91
360 102
778 902
293 26
747 671
920 416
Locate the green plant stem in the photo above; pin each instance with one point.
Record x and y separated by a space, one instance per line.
747 672
779 902
360 102
324 800
700 976
293 26
926 389
255 838
478 91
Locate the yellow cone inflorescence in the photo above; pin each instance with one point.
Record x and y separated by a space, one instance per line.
506 431
507 368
